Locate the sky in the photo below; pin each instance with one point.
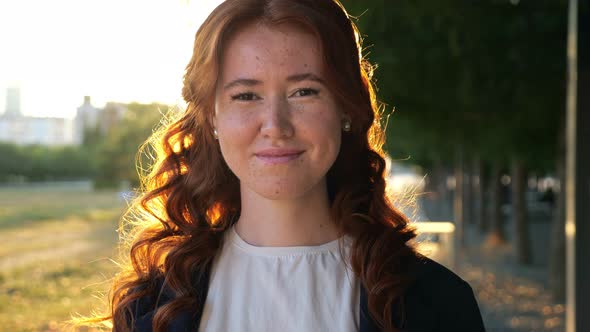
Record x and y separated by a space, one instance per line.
59 51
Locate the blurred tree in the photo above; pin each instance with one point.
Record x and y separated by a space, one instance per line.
42 163
116 154
107 157
486 76
92 137
12 162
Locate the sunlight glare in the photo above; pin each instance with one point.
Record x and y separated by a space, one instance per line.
111 50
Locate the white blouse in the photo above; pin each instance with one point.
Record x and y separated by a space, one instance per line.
283 289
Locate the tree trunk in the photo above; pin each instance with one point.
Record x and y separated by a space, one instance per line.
557 259
468 194
479 195
577 225
439 186
519 212
458 202
496 235
446 197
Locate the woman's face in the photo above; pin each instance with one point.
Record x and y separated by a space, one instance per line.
278 124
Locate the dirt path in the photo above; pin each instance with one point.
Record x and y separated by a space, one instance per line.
50 241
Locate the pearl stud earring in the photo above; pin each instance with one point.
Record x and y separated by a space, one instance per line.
346 127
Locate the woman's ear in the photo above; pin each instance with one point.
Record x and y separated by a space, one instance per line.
346 123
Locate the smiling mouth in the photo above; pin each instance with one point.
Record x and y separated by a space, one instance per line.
278 157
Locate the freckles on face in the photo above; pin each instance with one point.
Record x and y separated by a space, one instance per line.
278 124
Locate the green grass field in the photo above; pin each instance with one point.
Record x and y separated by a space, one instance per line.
55 255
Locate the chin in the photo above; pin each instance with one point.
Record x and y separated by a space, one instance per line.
283 190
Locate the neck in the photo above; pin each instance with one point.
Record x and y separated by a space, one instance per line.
302 221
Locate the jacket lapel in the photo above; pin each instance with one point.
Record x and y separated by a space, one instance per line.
201 281
366 323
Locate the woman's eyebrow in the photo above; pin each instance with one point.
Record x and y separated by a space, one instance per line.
292 78
241 81
304 77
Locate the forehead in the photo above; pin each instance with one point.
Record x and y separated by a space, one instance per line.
257 48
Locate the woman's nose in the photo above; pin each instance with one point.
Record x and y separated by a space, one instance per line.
277 121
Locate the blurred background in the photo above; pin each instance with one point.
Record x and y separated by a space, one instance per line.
477 124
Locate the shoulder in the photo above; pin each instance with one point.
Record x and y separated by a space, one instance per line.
143 309
187 314
440 299
433 277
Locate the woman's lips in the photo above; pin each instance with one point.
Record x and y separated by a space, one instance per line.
278 156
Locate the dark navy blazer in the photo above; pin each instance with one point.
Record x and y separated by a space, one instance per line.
438 300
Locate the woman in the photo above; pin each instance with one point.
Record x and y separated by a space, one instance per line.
266 209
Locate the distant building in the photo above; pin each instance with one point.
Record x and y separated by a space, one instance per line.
25 130
111 115
13 102
86 118
89 117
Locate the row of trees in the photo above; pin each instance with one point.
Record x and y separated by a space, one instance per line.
478 84
42 163
106 156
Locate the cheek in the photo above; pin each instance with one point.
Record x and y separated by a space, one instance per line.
325 124
234 125
236 130
324 130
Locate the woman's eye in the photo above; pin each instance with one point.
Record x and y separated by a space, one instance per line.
306 92
246 96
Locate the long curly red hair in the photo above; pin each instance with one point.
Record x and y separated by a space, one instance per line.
191 197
